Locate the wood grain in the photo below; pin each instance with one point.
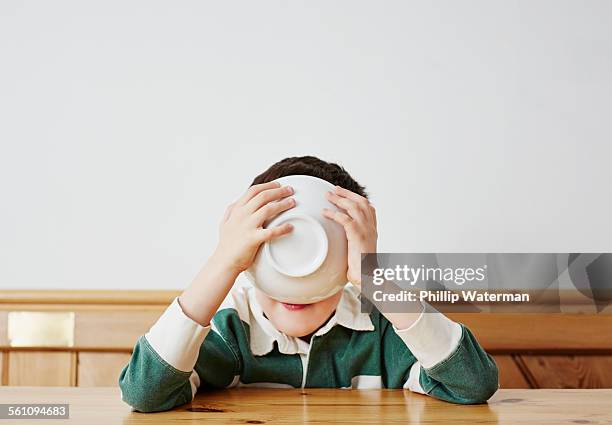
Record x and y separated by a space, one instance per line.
100 369
268 406
510 375
164 297
112 297
577 371
3 328
527 332
119 328
41 368
99 329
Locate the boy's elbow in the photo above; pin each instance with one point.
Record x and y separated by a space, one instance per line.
153 396
484 388
137 396
140 402
483 393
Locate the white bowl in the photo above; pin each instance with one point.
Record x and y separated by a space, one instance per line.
309 264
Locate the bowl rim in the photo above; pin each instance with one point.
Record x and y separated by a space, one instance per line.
307 177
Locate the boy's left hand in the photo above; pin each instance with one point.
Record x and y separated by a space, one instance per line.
359 221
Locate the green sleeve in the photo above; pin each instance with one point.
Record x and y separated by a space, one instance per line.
217 363
149 384
397 359
468 376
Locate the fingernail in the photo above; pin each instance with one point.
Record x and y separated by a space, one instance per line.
289 189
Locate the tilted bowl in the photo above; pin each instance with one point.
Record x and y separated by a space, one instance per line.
309 264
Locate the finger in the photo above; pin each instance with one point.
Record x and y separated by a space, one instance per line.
374 215
339 217
346 204
272 209
270 233
255 189
345 193
266 196
228 212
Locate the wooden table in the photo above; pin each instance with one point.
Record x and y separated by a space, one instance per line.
271 406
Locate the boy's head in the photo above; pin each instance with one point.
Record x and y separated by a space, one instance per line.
311 166
303 319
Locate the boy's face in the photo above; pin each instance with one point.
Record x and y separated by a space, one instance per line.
297 320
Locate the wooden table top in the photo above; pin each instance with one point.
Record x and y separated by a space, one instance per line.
272 406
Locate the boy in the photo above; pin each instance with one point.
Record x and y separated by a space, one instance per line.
217 334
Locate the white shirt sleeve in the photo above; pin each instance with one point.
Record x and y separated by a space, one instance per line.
177 338
432 338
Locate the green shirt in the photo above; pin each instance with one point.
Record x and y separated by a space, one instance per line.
178 357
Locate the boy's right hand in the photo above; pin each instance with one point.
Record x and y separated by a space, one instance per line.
241 231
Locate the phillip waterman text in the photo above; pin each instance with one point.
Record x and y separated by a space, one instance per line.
448 296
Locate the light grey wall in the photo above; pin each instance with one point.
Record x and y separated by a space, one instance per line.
127 127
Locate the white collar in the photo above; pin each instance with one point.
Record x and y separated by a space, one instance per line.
263 333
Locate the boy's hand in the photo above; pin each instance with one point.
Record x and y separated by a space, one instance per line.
359 222
241 231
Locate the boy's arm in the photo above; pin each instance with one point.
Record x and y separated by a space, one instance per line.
173 359
160 374
241 233
450 364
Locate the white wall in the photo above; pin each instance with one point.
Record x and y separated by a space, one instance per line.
126 127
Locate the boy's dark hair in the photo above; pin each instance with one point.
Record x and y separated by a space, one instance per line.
311 166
